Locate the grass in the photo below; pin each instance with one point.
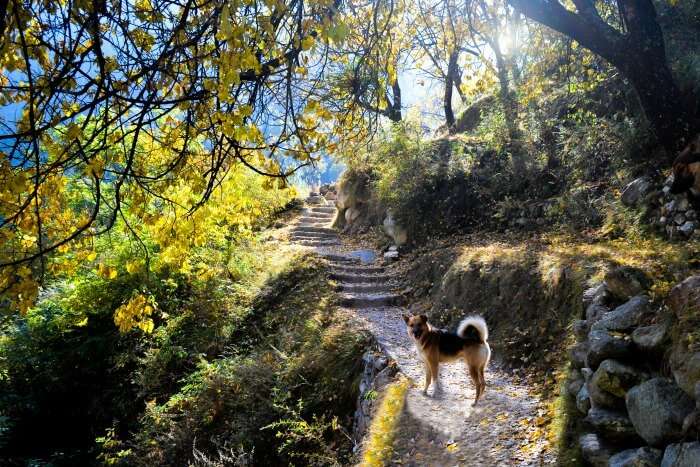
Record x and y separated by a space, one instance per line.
380 441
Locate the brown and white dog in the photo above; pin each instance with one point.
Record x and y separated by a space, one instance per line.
686 170
436 346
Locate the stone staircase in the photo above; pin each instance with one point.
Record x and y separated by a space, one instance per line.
360 283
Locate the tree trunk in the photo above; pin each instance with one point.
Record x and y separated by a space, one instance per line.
449 83
510 110
640 54
395 111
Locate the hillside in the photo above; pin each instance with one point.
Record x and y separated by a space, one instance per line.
376 232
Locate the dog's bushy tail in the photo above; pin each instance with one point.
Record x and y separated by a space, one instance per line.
471 326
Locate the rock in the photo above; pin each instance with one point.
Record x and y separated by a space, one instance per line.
663 220
625 317
577 355
583 400
391 256
691 214
596 294
670 206
679 219
594 312
575 382
682 204
685 366
613 425
594 450
682 455
641 457
581 329
635 191
602 346
651 339
395 231
687 228
685 296
351 214
393 248
380 363
625 282
610 383
657 408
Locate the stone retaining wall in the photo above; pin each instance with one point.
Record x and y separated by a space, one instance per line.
638 393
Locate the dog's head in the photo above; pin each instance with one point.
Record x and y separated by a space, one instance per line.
685 168
416 325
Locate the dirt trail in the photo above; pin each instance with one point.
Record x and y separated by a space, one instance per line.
437 429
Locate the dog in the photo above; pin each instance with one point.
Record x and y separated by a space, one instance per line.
686 170
436 346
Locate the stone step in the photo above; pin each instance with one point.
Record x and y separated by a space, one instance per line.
318 215
318 242
314 220
360 288
339 259
317 199
325 209
359 269
370 300
354 278
313 236
310 229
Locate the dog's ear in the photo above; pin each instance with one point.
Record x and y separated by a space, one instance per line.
424 318
406 318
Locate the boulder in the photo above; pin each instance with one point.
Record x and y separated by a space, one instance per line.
397 233
635 191
595 312
602 346
575 382
581 329
657 408
594 450
577 355
351 214
687 228
641 457
613 425
625 317
685 366
625 282
651 339
685 296
583 400
611 381
682 455
596 294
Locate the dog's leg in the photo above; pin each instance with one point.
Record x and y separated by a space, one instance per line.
482 380
427 377
474 373
435 370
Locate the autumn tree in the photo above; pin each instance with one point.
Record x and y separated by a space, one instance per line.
119 105
633 42
367 64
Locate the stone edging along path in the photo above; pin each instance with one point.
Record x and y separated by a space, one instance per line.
437 429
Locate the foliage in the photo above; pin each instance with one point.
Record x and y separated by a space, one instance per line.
283 395
379 448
